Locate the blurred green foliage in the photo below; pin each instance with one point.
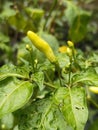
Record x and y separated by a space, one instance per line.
66 20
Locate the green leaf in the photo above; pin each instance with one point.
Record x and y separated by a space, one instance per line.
4 43
4 38
42 115
23 55
96 69
14 94
38 77
73 105
71 12
63 60
8 121
78 29
95 58
10 70
5 48
18 22
7 11
94 125
88 77
78 20
35 14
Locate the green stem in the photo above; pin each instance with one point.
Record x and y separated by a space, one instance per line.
45 83
93 102
32 58
74 57
35 3
49 85
47 76
70 70
58 70
51 9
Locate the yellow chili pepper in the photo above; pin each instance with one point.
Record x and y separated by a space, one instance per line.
42 45
94 89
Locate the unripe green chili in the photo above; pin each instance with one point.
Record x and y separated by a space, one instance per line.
42 45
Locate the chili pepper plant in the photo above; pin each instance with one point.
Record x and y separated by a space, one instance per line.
46 82
47 89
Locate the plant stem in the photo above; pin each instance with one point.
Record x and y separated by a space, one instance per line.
70 70
47 76
49 85
93 102
50 11
58 70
